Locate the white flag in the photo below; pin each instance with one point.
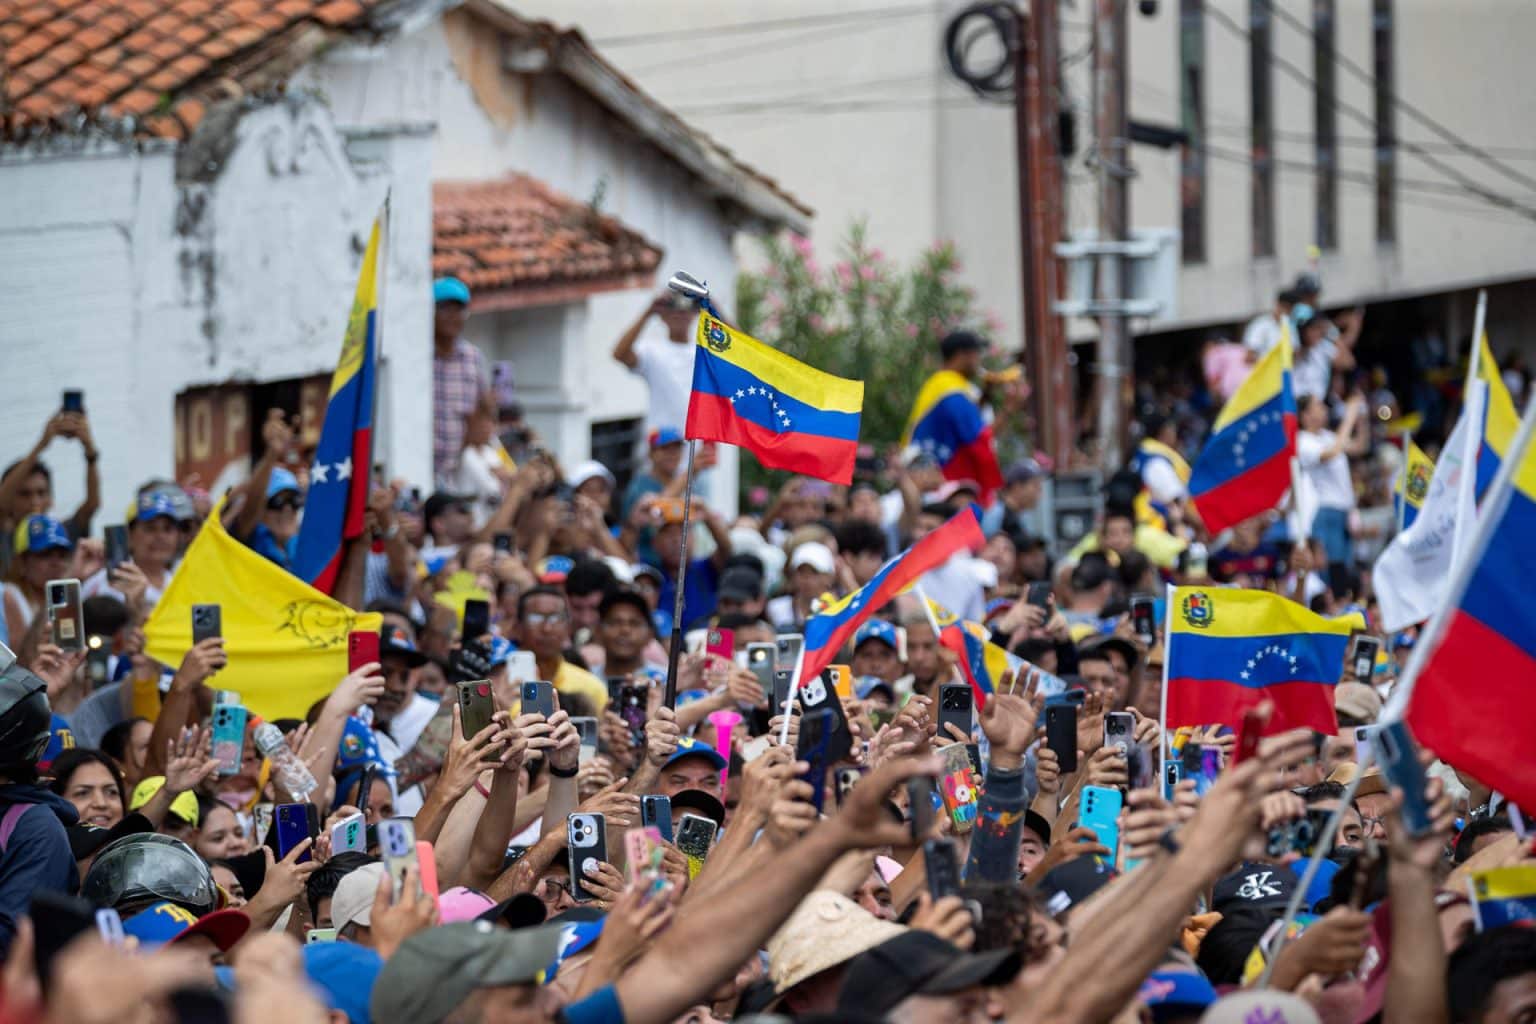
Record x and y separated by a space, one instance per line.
1412 574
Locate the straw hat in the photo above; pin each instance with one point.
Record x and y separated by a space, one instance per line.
826 930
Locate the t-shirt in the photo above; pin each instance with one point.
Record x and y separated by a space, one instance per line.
575 679
601 1007
699 595
264 544
1262 563
1329 479
474 477
668 371
1261 334
955 585
1314 369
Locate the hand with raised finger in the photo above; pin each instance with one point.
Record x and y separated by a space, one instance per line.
565 742
283 881
465 759
187 762
620 809
1090 723
1148 734
1008 719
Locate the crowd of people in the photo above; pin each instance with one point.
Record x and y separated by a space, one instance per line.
749 858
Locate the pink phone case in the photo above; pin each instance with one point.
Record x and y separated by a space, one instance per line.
427 861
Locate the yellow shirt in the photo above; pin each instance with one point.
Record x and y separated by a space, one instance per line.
571 679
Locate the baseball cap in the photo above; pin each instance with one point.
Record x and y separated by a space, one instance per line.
589 470
184 806
814 554
1036 823
960 341
951 488
158 504
461 903
554 569
352 901
876 629
281 480
85 840
1357 700
740 584
826 929
660 437
918 963
521 911
438 501
393 641
1023 471
1260 1004
434 971
866 685
698 800
639 569
1253 886
1371 782
358 748
690 747
1174 993
165 922
35 534
1067 885
345 973
1127 649
450 289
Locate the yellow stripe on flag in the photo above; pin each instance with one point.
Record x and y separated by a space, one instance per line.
1261 385
783 373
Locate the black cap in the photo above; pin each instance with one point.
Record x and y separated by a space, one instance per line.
1306 284
1110 642
1253 886
1036 823
439 500
1316 318
701 802
85 840
740 584
523 910
960 341
394 642
919 964
1067 885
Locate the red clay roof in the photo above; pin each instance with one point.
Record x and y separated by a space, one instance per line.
160 61
517 242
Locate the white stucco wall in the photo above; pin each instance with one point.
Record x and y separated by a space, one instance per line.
119 281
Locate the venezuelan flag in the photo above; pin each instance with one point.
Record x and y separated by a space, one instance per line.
1503 896
1471 701
1412 485
826 631
981 661
1500 421
1245 467
338 480
1230 649
790 415
946 423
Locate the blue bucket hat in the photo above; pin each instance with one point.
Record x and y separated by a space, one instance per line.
36 534
281 480
450 289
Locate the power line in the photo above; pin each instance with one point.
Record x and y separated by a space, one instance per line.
1362 142
765 25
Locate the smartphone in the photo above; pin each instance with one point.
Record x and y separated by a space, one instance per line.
427 858
1362 741
364 789
1100 811
477 618
586 727
1061 735
844 779
362 648
941 862
98 660
229 737
1248 736
522 666
814 695
586 837
643 859
656 812
721 643
973 754
760 662
73 400
1038 594
812 747
1398 756
695 836
116 545
66 621
841 678
957 708
349 835
1120 730
1366 650
207 622
1143 621
1173 774
539 698
320 935
633 702
291 823
783 683
109 925
957 787
921 796
476 706
787 648
1210 770
502 543
397 848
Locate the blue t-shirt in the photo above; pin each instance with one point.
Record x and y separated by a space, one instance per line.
601 1007
264 544
699 594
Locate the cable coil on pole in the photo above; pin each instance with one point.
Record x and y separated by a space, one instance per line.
981 21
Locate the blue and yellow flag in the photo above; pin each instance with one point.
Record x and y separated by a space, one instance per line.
1503 896
1244 468
286 641
946 422
1500 420
1412 485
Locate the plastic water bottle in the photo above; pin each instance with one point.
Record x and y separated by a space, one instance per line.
291 773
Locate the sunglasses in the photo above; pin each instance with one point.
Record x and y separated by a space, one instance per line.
287 499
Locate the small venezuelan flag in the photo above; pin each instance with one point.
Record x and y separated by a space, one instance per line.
946 423
826 632
1412 485
1230 649
981 661
1472 702
1503 896
790 415
1245 467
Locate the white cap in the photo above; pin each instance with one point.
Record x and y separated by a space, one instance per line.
585 471
353 899
814 554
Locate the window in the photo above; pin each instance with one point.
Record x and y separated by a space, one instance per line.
1386 134
614 444
1261 128
1192 120
1325 126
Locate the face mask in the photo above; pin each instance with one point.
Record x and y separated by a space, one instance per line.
435 698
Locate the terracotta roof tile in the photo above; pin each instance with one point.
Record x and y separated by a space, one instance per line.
117 57
516 241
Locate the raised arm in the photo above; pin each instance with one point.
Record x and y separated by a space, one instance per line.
81 431
277 436
1008 719
624 351
1416 973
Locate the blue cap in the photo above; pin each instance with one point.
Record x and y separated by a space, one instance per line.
35 534
1169 993
344 972
163 922
690 747
866 685
501 650
156 505
1322 882
663 436
60 739
281 480
450 289
876 629
574 938
358 748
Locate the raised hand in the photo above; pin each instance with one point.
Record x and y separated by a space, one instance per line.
391 922
949 919
187 762
1009 718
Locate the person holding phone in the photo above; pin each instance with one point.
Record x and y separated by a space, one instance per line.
703 574
266 515
42 551
544 627
26 486
154 542
664 358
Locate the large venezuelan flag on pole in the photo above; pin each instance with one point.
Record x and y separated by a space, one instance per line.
338 480
790 415
1245 467
826 631
1228 650
1470 693
946 423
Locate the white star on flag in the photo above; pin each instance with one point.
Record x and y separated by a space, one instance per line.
740 393
317 473
752 391
344 469
1244 673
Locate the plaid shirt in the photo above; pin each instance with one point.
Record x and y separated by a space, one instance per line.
458 381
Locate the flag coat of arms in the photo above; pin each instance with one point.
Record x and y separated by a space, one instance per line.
1244 468
1412 485
1228 650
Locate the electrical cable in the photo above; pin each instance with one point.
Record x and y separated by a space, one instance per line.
990 18
765 25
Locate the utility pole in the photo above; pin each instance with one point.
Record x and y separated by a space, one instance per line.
1112 129
1036 111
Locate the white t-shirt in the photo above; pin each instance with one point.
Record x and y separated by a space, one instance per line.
1314 369
954 585
1163 481
96 585
1261 334
1329 478
781 612
668 371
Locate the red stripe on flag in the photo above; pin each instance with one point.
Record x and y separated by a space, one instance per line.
977 461
357 493
1472 706
711 418
1216 701
326 581
1242 497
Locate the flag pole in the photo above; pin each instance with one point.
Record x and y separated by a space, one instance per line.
1402 483
1162 701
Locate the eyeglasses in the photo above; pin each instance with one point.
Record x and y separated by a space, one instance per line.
287 499
544 618
550 890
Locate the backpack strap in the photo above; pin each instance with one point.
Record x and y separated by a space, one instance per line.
9 821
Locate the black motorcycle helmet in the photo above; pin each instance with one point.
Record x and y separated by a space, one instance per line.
137 870
25 719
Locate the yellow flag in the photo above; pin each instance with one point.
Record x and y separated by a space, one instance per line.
286 641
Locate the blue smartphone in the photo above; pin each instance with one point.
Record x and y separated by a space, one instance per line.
656 812
811 747
291 827
1399 759
1173 774
1100 811
228 737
